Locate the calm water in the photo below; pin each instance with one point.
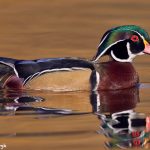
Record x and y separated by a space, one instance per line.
71 120
75 120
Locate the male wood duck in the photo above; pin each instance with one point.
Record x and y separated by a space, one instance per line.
122 44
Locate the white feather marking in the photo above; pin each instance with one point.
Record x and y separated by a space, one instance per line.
114 44
99 46
103 40
131 55
97 81
12 66
141 53
114 118
37 74
107 49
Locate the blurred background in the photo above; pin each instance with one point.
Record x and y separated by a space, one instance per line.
57 28
35 29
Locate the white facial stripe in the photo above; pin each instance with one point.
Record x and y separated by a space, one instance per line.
138 34
103 39
141 53
107 49
114 43
117 59
99 46
131 55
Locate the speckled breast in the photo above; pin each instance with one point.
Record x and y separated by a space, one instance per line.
116 75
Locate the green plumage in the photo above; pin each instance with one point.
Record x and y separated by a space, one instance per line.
117 34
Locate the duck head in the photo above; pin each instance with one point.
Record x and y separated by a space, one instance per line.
124 43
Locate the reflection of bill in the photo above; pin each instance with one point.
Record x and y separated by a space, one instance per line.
2 146
124 127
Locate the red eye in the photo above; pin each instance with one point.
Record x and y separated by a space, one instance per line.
134 38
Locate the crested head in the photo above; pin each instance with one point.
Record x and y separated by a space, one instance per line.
123 43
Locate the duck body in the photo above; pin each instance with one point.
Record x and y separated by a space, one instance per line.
122 44
67 74
55 74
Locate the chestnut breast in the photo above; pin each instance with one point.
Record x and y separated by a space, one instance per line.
116 75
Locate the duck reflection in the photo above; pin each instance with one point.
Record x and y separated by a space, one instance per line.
119 122
124 127
21 103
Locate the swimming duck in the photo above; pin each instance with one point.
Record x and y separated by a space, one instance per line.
122 44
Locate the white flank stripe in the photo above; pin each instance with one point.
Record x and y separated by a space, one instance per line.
97 81
12 66
37 74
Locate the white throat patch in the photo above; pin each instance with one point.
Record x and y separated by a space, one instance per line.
131 55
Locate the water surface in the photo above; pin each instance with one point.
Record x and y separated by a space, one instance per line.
71 120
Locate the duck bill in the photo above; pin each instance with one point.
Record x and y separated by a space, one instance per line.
147 48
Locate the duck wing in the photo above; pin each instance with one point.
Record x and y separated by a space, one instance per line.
28 69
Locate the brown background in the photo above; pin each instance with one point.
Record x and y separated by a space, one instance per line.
56 28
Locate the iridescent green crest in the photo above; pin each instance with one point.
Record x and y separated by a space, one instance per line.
117 34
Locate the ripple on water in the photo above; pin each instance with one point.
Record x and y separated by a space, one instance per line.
119 119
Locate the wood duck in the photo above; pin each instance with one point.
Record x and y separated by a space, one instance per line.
122 44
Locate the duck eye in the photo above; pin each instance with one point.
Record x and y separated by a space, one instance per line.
134 38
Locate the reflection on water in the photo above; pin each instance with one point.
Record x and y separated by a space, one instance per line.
124 127
15 103
40 29
115 110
